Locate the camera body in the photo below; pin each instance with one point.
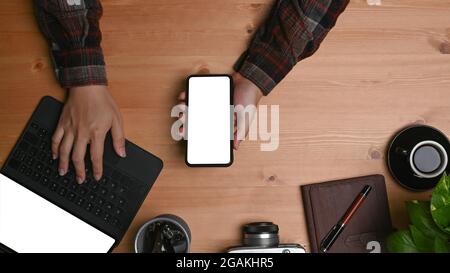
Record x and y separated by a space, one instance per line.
283 248
262 237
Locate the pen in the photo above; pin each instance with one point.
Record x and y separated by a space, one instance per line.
337 229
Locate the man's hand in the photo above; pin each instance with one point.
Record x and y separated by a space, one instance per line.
246 94
89 113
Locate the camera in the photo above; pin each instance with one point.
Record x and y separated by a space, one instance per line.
262 237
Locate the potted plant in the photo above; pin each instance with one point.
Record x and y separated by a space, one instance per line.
429 230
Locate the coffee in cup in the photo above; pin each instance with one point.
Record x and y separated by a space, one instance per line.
428 159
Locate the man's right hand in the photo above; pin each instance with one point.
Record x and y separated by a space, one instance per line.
89 113
246 93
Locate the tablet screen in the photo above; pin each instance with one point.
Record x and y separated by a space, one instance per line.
31 224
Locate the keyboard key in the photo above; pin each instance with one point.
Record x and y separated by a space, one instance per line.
103 190
16 153
122 189
115 222
80 201
104 181
44 181
118 211
51 162
55 175
36 176
42 133
33 139
113 185
33 151
28 172
62 191
106 218
29 161
83 190
109 206
94 186
44 145
98 212
15 164
65 181
89 206
34 125
39 167
48 171
92 196
21 156
74 186
22 169
121 202
71 196
112 196
54 186
100 201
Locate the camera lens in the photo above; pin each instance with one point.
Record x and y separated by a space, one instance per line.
261 234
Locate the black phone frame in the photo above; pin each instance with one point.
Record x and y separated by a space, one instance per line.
231 118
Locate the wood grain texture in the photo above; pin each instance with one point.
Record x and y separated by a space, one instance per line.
382 68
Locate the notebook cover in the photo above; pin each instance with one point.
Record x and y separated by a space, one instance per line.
325 203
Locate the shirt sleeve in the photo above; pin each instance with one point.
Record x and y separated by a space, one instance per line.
293 31
72 30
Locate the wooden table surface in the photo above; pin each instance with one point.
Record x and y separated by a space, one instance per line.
382 68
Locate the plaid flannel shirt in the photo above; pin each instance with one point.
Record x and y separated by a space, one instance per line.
293 31
72 30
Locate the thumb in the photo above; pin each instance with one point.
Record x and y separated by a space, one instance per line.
118 138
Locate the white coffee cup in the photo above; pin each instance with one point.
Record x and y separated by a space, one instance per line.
428 159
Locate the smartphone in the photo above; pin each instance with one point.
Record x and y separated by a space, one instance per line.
209 122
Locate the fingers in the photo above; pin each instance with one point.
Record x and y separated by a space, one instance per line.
96 151
56 141
182 96
236 143
182 106
182 118
78 154
79 146
240 128
118 138
64 152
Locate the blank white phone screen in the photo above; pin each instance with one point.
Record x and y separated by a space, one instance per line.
31 224
209 120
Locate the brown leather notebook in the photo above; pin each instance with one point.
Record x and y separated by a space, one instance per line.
325 203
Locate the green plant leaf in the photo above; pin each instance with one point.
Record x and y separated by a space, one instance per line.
441 246
420 216
422 242
440 204
401 242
